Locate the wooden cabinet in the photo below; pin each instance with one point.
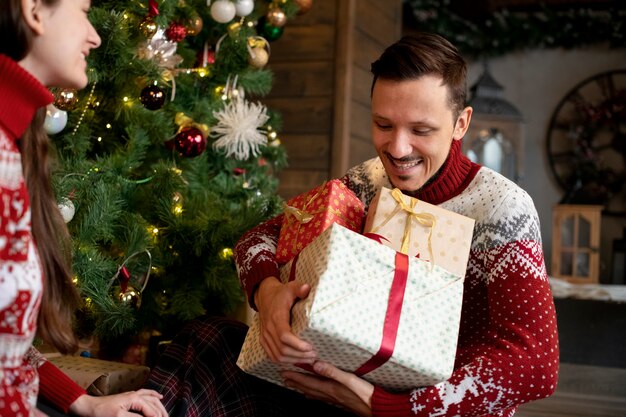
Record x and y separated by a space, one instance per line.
576 242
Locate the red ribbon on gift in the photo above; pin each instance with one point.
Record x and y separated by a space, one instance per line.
392 317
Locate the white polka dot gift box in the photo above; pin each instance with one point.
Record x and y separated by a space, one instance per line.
420 229
390 318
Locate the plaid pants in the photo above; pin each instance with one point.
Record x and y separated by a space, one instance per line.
198 377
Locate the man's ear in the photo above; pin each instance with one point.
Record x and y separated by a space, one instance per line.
462 123
32 14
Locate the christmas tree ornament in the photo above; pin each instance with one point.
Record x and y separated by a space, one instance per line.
238 126
303 5
223 11
55 121
176 32
127 293
191 138
244 7
130 297
269 32
148 27
194 25
67 209
190 142
276 17
233 29
66 99
258 51
152 97
239 171
205 57
160 50
153 8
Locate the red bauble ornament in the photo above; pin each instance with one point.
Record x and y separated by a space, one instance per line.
190 142
239 171
205 57
176 32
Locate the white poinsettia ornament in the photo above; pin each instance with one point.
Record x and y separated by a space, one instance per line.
238 125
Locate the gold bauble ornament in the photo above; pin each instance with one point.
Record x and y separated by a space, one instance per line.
66 99
303 5
148 27
276 17
194 25
130 297
258 57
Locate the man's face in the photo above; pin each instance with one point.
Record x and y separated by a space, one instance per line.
413 128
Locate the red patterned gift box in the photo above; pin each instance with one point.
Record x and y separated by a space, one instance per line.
310 213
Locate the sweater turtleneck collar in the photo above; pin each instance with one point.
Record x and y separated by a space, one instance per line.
21 95
451 179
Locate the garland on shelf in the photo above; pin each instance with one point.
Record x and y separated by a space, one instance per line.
503 31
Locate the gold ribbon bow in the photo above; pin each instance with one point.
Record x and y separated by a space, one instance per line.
185 121
300 215
425 219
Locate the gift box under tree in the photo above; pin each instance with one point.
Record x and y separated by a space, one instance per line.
387 317
309 214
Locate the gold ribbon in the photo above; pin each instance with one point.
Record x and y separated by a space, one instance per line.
302 216
425 219
186 121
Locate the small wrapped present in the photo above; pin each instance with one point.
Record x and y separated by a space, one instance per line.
416 228
309 214
387 317
100 377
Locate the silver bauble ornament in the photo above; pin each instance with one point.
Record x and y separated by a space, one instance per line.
223 11
56 120
244 7
67 209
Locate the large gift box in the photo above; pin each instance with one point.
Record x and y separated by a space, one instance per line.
99 377
387 317
310 213
416 228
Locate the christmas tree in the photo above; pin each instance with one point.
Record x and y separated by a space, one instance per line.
167 158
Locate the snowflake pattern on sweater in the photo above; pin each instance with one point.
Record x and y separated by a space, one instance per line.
20 281
22 368
508 345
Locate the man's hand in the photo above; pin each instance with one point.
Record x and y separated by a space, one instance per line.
144 402
333 386
274 301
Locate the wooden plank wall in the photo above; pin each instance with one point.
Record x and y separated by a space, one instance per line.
322 83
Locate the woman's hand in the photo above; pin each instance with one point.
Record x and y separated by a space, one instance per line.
333 386
133 403
274 301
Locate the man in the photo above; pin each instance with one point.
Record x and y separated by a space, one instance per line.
508 345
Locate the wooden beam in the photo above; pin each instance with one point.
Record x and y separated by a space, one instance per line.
344 40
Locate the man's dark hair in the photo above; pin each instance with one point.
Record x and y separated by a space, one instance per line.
425 54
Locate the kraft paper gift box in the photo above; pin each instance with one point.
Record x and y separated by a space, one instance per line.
99 377
412 226
310 213
356 283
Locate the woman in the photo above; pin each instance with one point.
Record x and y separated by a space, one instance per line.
43 43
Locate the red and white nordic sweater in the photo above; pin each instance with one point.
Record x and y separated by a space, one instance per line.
508 345
22 368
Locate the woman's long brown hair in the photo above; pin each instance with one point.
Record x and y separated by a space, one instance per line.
60 296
